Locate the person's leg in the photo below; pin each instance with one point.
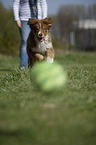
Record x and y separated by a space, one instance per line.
24 32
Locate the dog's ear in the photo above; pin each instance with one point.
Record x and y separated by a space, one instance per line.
32 21
48 21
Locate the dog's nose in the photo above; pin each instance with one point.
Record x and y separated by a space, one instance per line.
40 34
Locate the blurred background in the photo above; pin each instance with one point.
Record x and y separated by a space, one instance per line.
66 117
74 27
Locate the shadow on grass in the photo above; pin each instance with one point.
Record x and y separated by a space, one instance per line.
10 133
5 70
17 137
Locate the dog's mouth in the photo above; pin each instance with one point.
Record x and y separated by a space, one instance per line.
40 39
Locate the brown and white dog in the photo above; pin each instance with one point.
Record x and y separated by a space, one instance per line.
39 44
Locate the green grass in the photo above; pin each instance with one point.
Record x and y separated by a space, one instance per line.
66 117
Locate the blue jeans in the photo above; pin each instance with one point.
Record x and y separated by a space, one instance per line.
24 32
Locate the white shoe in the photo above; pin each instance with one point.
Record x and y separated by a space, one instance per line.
22 68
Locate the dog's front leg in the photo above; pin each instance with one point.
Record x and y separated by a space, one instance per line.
50 55
39 57
31 61
34 58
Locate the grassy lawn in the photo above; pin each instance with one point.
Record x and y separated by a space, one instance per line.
66 117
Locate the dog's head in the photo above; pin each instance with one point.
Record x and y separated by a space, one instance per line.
40 28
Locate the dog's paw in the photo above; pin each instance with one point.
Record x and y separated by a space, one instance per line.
39 57
50 60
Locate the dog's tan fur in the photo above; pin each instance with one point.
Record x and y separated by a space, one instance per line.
39 44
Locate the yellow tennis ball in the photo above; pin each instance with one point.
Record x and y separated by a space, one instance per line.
48 77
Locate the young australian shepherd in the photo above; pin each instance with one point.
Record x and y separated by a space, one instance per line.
39 44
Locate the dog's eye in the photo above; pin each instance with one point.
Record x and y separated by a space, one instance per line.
37 29
45 29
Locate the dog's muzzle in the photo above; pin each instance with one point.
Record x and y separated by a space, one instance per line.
40 37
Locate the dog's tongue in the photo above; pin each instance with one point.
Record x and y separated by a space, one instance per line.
41 39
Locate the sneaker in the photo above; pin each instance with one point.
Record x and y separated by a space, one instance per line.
22 68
